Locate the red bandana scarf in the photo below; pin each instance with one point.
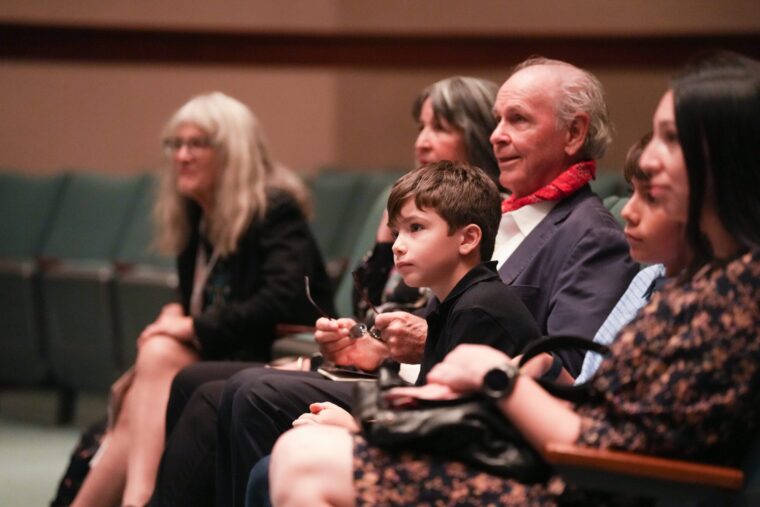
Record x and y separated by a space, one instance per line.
567 183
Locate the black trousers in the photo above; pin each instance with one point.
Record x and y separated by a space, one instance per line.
222 418
186 472
257 406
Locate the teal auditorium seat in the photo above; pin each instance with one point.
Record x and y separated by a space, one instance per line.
363 241
615 204
77 283
609 183
146 280
342 198
372 184
27 205
334 194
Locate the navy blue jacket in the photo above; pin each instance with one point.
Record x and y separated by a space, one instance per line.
571 270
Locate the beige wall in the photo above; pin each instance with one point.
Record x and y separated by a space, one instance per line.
492 16
376 129
108 116
260 14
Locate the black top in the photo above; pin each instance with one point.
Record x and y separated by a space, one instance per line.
263 282
480 309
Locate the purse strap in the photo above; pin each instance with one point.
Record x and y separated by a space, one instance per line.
559 342
550 344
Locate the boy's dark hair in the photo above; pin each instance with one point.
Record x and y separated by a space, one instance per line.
460 193
631 167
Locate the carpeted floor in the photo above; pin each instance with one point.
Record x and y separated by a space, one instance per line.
33 450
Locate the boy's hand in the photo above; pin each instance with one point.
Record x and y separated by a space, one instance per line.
365 353
405 335
332 337
327 413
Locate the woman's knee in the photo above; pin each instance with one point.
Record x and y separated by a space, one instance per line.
312 462
161 355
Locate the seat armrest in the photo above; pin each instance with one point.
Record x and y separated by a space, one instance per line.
147 275
23 267
639 465
294 340
291 329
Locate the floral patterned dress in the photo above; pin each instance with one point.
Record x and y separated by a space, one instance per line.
682 381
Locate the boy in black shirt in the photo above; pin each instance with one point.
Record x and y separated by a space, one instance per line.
444 217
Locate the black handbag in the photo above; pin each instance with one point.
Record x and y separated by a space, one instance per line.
471 429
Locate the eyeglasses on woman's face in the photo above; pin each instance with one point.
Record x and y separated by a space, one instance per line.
194 145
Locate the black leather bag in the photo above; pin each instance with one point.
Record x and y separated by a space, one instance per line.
471 430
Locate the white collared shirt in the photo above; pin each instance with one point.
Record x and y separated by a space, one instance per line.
515 227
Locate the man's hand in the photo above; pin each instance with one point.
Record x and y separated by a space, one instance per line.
327 413
404 334
337 346
463 369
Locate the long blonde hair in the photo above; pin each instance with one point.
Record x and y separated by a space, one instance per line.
246 172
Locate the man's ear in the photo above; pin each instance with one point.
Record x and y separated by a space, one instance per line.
576 134
471 236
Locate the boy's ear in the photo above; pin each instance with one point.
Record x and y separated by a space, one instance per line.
471 236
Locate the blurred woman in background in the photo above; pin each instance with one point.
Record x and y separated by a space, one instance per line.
235 219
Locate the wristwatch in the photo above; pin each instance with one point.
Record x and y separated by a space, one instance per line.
498 382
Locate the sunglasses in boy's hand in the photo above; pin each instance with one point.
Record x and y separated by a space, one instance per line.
359 329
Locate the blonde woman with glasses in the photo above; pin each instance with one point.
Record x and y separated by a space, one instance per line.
236 220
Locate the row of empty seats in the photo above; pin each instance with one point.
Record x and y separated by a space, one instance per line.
74 278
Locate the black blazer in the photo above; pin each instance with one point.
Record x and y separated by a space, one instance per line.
571 270
267 283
